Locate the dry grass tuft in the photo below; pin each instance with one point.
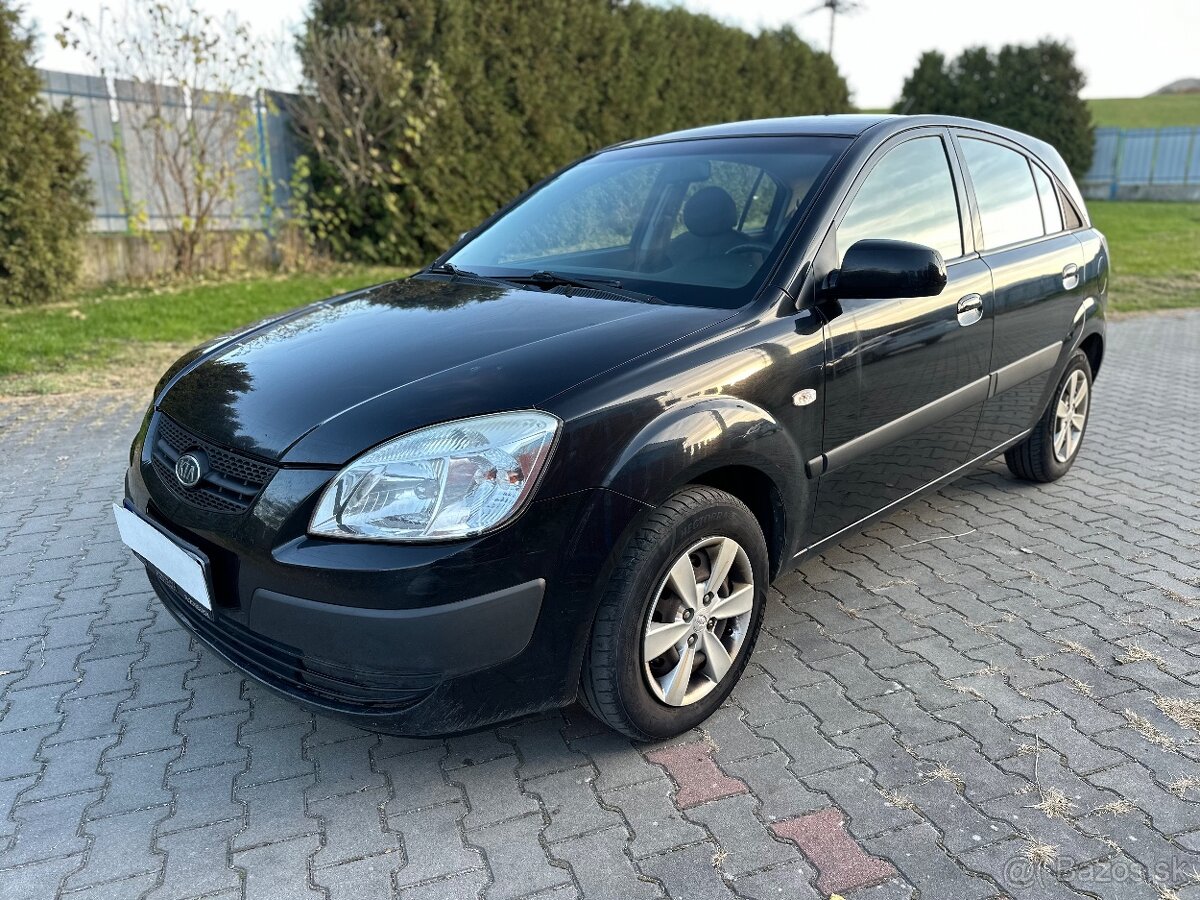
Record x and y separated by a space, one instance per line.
944 773
1116 808
1055 804
1040 854
1081 686
1078 649
1180 710
990 670
1146 729
900 801
1137 653
966 689
1180 786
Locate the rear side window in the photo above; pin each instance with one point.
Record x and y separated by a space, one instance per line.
1008 202
1051 215
909 196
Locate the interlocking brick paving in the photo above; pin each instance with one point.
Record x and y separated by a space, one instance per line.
842 864
698 777
995 691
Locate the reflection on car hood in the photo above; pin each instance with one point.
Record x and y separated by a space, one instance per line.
324 385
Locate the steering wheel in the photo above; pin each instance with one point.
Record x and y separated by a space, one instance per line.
750 247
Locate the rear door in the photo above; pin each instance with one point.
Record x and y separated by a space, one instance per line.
906 378
1037 276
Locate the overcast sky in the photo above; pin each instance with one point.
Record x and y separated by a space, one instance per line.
1126 49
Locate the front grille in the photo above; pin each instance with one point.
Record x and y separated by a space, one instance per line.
233 481
286 668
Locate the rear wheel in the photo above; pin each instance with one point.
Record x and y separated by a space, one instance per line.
1050 450
679 617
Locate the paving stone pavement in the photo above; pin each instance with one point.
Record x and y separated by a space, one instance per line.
994 692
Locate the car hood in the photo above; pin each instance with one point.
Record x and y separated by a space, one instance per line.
326 383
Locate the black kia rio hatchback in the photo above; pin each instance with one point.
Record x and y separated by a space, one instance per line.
567 459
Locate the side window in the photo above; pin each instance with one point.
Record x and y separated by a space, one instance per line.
909 196
1008 202
1052 217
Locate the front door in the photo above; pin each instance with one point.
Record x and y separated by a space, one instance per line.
906 379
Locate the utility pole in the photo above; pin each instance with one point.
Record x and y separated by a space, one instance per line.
836 8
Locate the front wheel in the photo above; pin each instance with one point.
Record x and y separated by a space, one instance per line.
679 617
1050 450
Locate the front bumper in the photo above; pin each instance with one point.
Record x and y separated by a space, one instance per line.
409 639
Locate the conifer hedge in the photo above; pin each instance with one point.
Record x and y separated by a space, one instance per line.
523 88
44 194
1034 89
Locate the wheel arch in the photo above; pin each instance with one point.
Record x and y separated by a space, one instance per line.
762 496
722 442
1093 348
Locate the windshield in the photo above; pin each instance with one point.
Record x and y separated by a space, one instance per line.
697 223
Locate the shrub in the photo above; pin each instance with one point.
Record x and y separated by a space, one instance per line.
497 96
44 197
193 75
1031 89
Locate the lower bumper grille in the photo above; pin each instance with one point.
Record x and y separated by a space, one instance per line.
286 669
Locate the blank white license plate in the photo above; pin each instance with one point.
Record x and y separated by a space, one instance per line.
164 554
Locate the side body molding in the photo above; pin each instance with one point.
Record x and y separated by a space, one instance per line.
1025 368
955 402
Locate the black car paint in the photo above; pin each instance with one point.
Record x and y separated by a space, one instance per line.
652 397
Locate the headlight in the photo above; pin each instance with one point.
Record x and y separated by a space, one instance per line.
439 483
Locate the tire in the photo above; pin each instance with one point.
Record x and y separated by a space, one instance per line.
696 527
1038 458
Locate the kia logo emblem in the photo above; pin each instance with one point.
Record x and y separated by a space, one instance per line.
189 469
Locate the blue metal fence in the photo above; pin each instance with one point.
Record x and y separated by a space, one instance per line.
1149 163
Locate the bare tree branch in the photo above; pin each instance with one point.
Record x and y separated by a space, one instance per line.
192 78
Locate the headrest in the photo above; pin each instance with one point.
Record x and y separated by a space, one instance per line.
710 211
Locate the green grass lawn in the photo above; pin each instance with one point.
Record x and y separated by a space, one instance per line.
49 348
116 338
1155 253
1154 111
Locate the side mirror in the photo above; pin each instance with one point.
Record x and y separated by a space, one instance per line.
885 270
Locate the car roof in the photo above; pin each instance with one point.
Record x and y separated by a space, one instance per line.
842 125
883 125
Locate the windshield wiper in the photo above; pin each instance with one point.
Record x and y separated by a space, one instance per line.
557 279
446 268
547 279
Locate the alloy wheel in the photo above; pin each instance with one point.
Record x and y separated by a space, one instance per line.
698 621
1070 416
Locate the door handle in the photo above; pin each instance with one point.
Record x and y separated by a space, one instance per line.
970 310
1070 276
